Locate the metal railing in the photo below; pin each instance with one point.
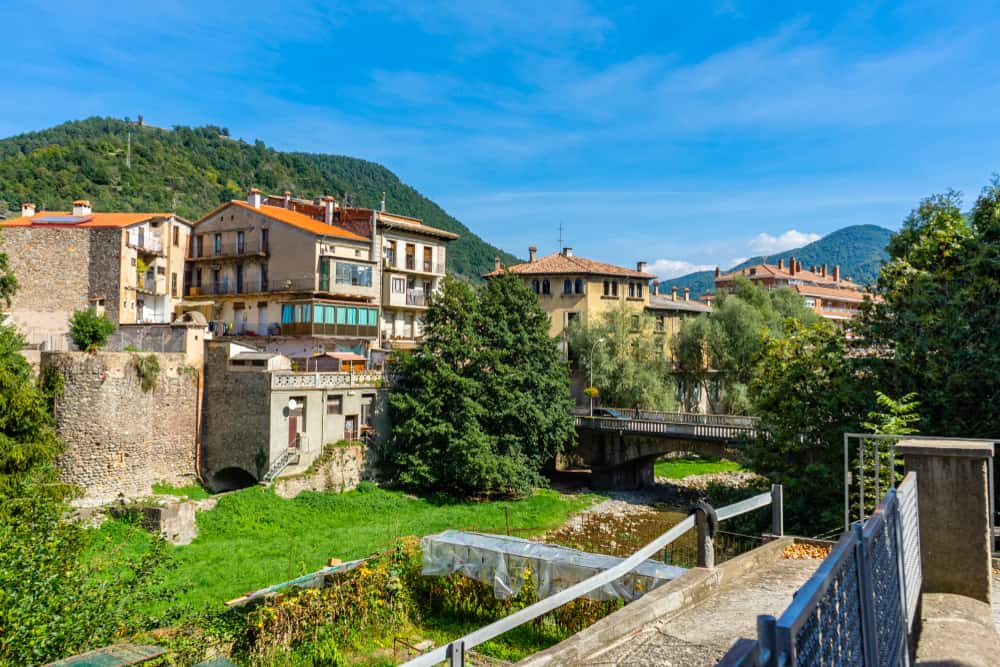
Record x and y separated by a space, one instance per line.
281 463
650 427
229 249
416 298
454 651
859 606
317 380
144 243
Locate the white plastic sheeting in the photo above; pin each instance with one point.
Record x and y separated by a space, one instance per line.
503 562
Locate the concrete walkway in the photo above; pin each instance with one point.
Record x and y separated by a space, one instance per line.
702 633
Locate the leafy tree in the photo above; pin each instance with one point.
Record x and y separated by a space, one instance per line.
484 403
90 331
726 346
629 367
897 417
807 393
934 329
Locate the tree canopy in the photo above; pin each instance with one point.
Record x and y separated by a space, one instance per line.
484 403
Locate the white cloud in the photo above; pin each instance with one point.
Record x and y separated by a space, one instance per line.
672 268
765 243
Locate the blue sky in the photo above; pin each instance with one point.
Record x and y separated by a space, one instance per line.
687 134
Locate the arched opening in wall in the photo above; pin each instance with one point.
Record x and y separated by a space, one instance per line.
230 479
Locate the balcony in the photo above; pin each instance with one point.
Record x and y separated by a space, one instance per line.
229 250
316 329
416 297
144 243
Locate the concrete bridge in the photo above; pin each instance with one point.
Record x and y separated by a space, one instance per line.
621 451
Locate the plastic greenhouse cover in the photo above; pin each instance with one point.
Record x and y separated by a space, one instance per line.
505 561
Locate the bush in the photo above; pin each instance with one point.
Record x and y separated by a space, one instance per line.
147 368
90 331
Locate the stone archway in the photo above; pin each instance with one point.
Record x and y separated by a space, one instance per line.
230 479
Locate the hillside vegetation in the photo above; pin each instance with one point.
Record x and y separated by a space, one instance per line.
859 250
191 170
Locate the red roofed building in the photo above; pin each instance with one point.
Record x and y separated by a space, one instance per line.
128 265
826 292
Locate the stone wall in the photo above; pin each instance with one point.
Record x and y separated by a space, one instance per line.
343 470
58 271
236 420
120 439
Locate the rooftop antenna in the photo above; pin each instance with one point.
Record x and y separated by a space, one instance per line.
560 236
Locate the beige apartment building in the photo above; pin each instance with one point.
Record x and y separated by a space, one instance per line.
571 287
128 265
412 259
255 269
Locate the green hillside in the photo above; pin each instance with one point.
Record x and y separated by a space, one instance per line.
859 250
192 170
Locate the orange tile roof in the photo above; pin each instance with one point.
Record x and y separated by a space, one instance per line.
854 295
91 220
561 264
772 271
293 218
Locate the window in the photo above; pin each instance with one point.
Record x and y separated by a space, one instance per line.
659 323
614 288
354 274
161 270
567 286
631 290
218 244
546 289
173 285
133 261
177 235
714 389
607 288
390 254
334 405
638 290
239 278
352 315
241 243
398 285
197 277
264 241
578 286
534 284
263 277
199 244
286 313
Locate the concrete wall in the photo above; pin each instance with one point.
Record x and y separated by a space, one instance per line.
343 471
120 439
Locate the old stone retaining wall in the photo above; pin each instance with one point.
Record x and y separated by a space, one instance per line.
120 439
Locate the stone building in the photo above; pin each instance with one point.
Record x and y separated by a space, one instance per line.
263 420
127 265
571 287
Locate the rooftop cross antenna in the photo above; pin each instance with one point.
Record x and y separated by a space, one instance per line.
560 237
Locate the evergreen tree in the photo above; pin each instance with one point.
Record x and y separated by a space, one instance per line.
525 382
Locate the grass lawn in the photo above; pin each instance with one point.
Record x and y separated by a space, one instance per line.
695 465
192 491
253 538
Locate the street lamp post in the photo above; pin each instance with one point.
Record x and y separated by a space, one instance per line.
593 348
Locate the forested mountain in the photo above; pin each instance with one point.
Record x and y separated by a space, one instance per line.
191 170
858 249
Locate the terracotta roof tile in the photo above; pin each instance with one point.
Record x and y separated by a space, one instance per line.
90 220
293 218
772 271
557 263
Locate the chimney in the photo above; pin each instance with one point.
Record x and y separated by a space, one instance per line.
718 272
27 210
532 250
656 288
687 293
496 263
791 266
640 267
781 264
822 270
329 203
673 293
81 207
836 273
567 252
288 199
798 266
253 197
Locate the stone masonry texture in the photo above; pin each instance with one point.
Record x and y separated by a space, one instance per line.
120 439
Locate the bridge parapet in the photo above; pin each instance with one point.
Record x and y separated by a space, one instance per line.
686 429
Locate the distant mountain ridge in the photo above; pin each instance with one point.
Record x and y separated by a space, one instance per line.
121 166
859 250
